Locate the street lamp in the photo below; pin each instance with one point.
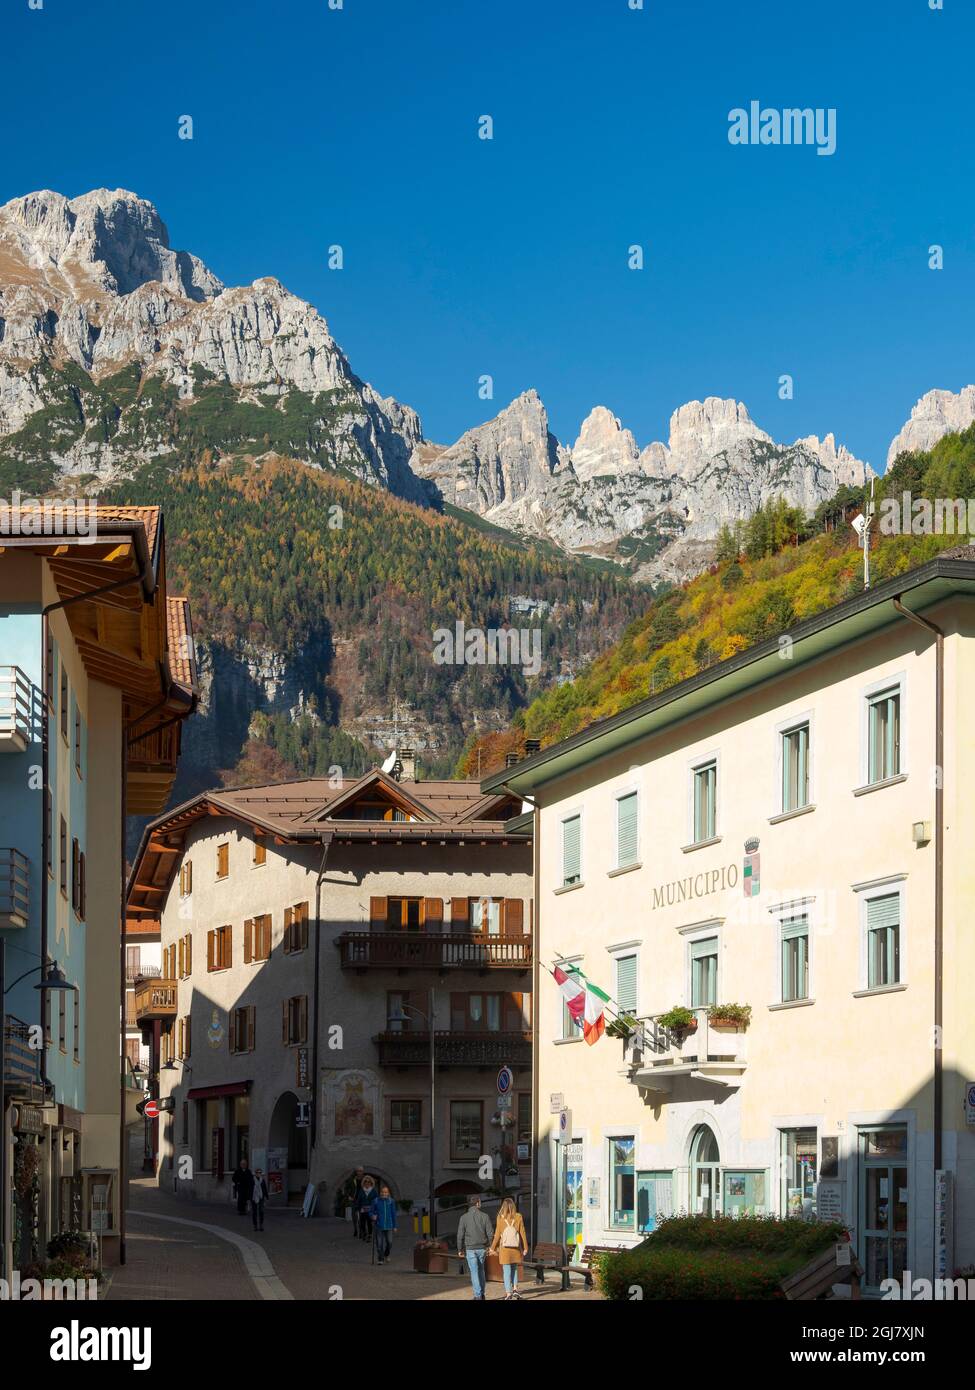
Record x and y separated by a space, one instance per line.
54 979
428 1020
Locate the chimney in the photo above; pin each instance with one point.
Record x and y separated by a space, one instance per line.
532 745
511 759
406 761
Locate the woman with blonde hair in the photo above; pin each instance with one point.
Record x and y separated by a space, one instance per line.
511 1245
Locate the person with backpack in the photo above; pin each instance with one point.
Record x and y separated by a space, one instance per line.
258 1198
474 1235
510 1244
382 1214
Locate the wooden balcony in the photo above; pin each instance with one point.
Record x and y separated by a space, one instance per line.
16 706
150 769
154 999
14 888
401 950
714 1056
454 1049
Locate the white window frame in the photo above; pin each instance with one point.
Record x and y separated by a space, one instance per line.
620 952
566 816
788 726
882 888
566 963
619 796
702 933
896 681
780 913
695 766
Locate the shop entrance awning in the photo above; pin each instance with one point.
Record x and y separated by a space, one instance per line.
231 1088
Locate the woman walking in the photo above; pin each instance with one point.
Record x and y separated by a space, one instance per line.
363 1202
511 1245
258 1198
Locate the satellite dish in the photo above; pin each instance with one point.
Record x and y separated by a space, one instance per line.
390 762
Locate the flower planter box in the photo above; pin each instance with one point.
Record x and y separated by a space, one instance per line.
430 1257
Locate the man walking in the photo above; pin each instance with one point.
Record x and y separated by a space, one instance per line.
474 1235
258 1198
242 1182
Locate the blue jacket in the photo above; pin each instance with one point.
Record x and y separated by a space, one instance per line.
383 1212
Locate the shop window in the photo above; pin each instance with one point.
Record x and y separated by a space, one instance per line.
622 1183
466 1130
798 1172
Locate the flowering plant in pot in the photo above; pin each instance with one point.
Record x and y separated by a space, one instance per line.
679 1022
736 1016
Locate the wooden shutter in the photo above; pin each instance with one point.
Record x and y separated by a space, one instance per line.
260 852
514 917
211 944
433 914
75 875
182 956
251 1027
179 1034
289 916
301 912
285 1034
303 1018
248 940
460 914
188 1037
189 953
189 876
377 913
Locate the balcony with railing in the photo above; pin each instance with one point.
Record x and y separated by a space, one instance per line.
443 952
155 999
707 1052
16 705
142 972
411 1048
14 888
22 1063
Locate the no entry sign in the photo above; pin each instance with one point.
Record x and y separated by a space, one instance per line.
151 1111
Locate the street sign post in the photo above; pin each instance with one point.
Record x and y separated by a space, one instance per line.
565 1127
506 1080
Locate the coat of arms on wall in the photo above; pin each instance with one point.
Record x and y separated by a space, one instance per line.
750 876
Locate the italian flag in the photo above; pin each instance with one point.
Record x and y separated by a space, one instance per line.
584 1001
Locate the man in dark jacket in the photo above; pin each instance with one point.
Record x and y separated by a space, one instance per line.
258 1198
242 1182
474 1234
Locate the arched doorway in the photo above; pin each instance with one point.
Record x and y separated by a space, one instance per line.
287 1150
705 1172
345 1187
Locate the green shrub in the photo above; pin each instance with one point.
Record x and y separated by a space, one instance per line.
723 1257
69 1245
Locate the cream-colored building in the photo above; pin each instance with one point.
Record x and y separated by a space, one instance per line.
791 831
307 928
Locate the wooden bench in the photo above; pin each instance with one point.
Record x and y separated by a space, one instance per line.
816 1279
548 1255
583 1266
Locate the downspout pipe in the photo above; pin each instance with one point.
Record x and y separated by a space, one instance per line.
939 802
326 843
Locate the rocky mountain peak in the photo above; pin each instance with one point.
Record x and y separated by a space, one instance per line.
603 447
936 414
103 242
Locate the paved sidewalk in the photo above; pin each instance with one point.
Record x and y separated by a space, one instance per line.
179 1249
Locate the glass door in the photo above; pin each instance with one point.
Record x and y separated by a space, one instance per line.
884 1203
572 1195
705 1172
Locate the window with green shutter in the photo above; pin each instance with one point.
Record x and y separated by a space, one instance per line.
884 716
795 959
883 940
795 768
627 839
626 974
704 972
571 851
705 802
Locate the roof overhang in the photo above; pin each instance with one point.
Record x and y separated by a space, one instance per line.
853 620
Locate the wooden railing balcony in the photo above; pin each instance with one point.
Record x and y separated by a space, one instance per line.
16 704
156 748
155 999
411 1048
403 950
14 888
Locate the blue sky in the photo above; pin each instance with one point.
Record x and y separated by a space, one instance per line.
508 257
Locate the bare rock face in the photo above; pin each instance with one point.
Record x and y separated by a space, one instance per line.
936 414
93 283
658 507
